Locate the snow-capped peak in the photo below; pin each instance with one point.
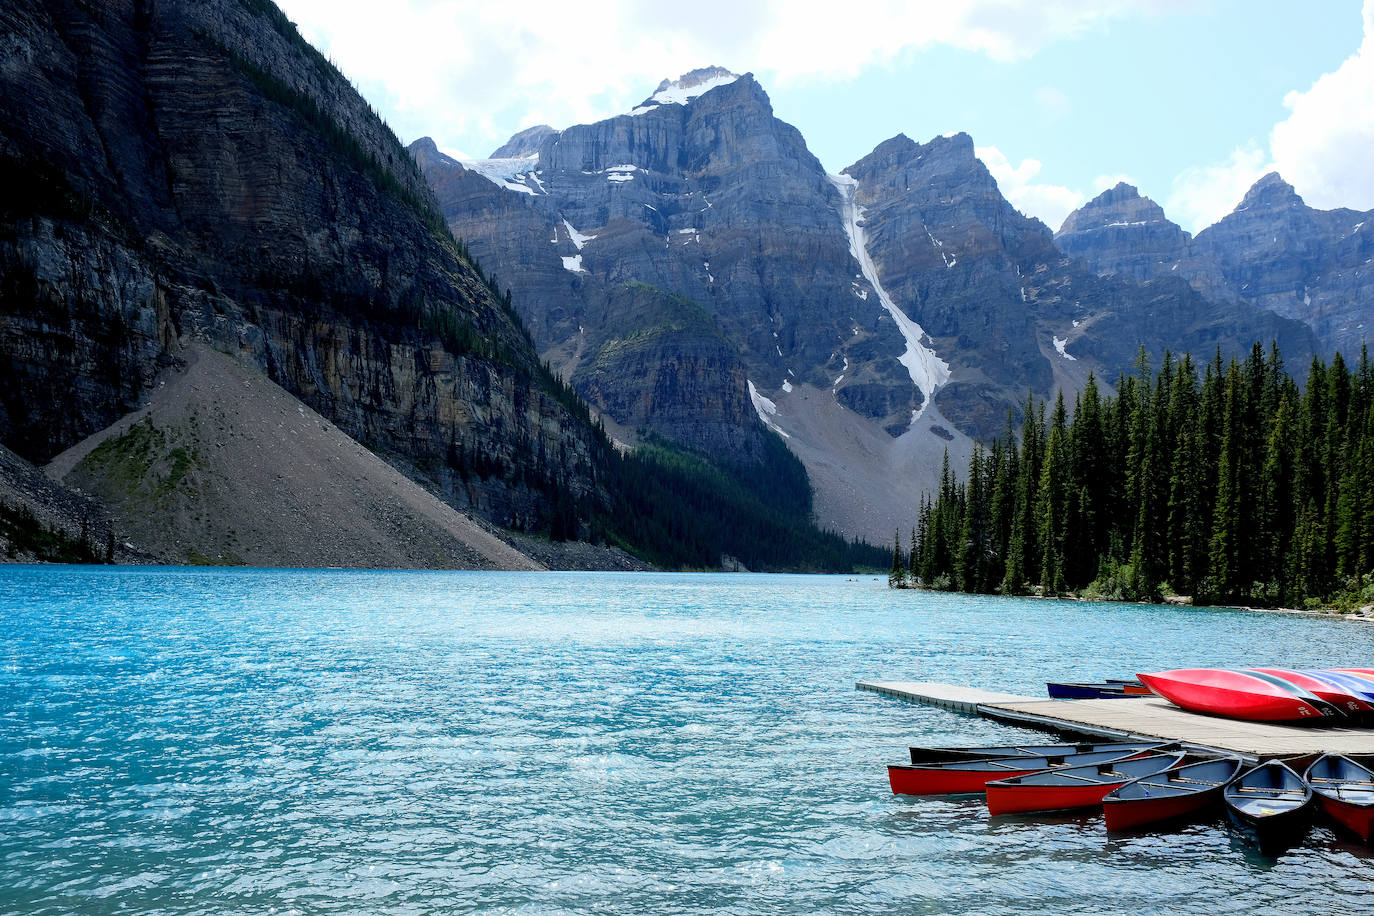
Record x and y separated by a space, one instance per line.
686 87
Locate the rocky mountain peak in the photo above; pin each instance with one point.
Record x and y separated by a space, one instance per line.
1120 207
426 151
525 143
687 87
1270 192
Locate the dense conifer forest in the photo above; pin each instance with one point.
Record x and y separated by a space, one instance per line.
1229 484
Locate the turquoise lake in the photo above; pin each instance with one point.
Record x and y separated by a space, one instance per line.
255 741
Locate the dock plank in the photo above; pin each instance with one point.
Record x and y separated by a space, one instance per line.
946 696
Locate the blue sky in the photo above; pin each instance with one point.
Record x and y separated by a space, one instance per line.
1191 101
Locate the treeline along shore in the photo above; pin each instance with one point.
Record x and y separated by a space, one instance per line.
1235 487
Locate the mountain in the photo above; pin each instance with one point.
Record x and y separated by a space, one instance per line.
1124 234
1273 252
235 328
194 174
875 318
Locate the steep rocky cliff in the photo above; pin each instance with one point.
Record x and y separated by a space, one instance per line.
195 170
1272 252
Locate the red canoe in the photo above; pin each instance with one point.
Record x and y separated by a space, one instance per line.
1238 694
1072 787
960 776
1169 796
1345 791
923 755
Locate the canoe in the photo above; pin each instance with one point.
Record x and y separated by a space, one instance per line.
921 755
1344 789
1169 796
1329 686
959 776
1270 805
1062 690
1239 694
1359 680
1072 787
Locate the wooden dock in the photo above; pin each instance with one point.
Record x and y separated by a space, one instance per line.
1136 718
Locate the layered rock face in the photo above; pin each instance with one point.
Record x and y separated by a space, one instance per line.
1120 232
196 170
1272 252
878 317
719 206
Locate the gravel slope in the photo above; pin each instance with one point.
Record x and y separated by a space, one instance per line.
224 466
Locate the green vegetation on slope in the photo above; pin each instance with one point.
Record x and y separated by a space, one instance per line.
23 535
1237 488
679 510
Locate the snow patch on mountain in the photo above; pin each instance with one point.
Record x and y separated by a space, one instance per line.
766 410
511 174
685 88
577 238
928 371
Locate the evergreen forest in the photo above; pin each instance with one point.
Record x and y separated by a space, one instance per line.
1229 484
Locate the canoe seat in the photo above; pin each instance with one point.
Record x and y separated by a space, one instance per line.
1261 807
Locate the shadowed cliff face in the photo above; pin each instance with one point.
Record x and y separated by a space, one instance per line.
1272 252
195 169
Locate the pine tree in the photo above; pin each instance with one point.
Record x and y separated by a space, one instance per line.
896 577
1223 558
1052 502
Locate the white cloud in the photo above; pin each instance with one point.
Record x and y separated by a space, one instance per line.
1103 182
471 74
1203 194
1321 148
1049 203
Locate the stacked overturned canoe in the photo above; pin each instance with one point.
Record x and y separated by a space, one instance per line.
1269 694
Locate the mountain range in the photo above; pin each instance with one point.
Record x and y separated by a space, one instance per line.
690 259
240 322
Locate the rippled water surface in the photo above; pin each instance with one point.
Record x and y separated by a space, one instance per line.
364 742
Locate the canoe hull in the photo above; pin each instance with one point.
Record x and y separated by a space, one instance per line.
1144 812
965 776
1027 799
1067 788
1064 691
1235 694
919 780
1344 789
1358 819
1271 806
1275 833
1176 794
